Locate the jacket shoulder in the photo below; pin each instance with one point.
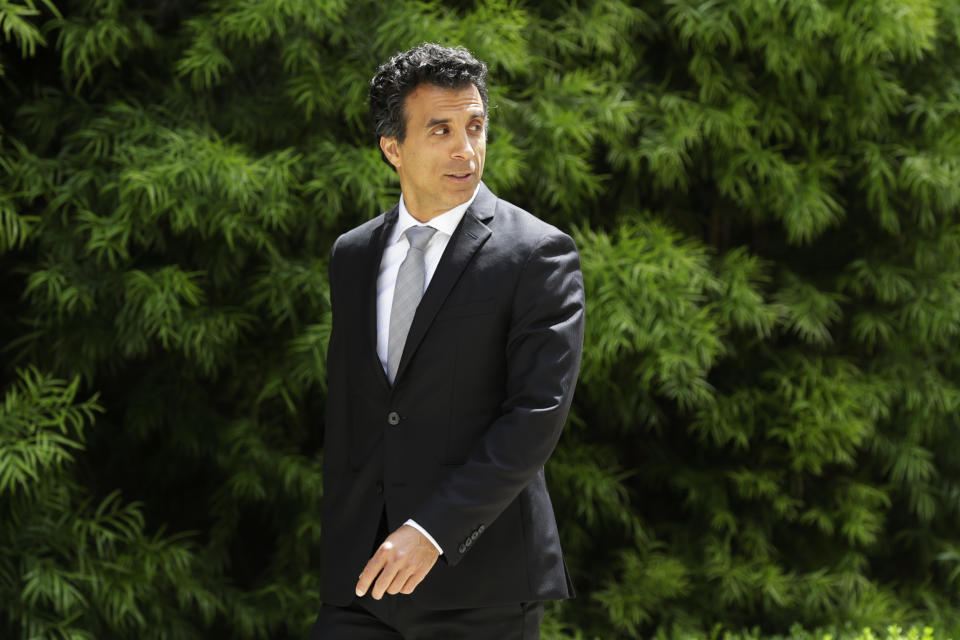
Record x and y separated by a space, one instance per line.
360 235
356 241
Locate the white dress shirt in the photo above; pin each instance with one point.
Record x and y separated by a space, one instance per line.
394 252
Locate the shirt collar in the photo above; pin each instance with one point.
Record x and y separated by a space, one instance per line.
446 222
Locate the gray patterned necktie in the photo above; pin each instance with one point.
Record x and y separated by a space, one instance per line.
406 295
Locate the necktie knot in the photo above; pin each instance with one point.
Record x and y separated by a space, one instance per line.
419 236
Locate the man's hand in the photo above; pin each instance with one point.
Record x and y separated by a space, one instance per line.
403 561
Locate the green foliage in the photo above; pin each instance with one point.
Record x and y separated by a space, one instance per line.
16 24
41 431
892 632
73 565
765 198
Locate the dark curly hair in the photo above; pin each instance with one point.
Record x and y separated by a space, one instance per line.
428 63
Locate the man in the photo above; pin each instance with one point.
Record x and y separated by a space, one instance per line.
443 409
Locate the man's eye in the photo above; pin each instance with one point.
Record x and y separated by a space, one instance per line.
440 131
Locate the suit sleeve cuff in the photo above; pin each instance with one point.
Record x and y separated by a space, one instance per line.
427 535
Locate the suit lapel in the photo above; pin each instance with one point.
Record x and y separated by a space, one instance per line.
469 236
374 254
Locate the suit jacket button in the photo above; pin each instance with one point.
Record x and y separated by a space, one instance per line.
379 488
393 418
462 549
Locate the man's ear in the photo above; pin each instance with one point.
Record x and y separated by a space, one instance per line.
391 149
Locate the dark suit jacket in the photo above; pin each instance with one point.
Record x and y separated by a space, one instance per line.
458 443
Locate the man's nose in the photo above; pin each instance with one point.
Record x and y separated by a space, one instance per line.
464 146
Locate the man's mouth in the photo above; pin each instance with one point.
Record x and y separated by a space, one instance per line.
460 176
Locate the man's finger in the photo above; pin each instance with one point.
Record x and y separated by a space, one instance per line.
374 565
387 576
401 579
411 583
415 579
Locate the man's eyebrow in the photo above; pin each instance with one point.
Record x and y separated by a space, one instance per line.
435 121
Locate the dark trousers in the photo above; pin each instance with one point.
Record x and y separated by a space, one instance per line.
396 618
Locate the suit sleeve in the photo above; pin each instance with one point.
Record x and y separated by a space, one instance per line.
543 351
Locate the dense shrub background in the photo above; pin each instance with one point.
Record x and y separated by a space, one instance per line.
765 197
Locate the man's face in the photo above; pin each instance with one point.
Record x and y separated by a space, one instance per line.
440 160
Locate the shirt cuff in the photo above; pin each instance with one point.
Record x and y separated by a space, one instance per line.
424 532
